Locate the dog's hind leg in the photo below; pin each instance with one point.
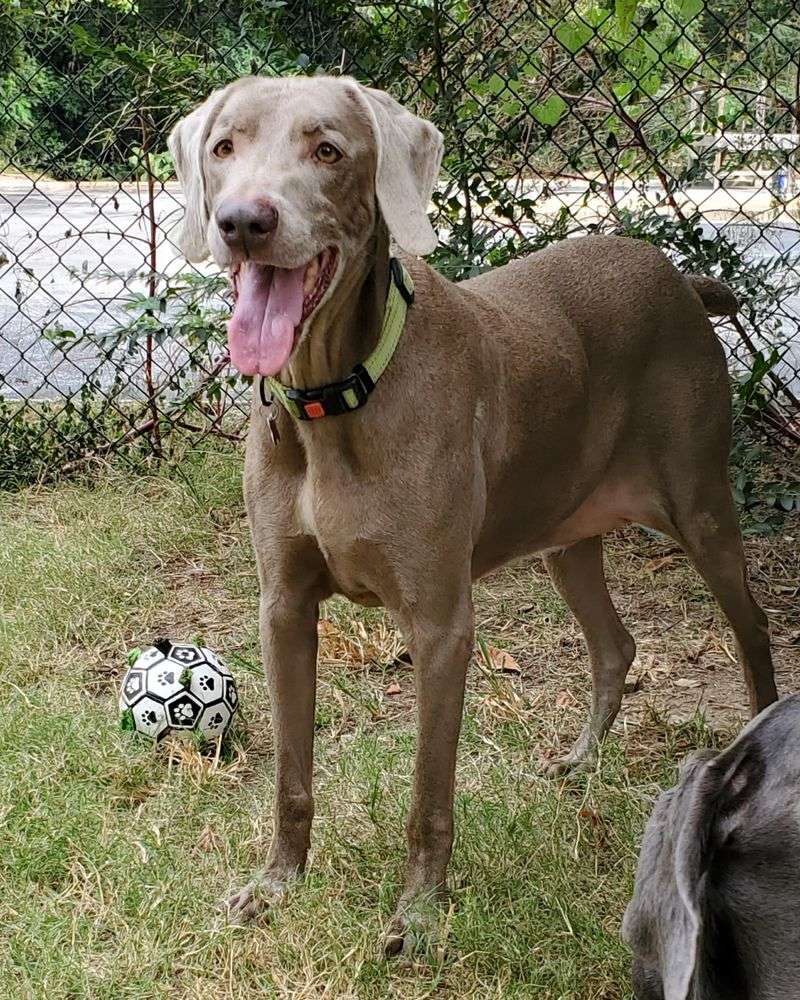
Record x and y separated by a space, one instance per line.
708 530
577 574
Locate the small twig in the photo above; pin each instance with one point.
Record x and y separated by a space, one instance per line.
780 425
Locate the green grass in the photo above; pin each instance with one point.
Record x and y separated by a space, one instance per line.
114 855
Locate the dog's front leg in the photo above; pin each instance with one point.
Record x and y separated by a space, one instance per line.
441 649
289 647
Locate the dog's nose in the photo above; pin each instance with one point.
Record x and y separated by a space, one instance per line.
246 224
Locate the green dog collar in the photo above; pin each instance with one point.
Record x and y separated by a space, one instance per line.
353 392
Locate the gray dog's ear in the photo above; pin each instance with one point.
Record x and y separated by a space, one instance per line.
409 152
690 823
186 143
662 922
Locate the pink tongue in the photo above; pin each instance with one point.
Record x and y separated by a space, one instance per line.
268 307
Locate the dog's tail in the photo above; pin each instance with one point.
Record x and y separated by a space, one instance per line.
717 297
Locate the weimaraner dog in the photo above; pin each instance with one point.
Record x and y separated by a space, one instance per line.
716 911
399 451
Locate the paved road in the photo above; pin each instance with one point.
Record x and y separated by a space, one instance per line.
72 253
773 241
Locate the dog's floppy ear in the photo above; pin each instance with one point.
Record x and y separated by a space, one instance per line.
409 152
664 920
186 143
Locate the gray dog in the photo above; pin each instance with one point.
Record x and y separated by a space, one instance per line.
716 911
410 434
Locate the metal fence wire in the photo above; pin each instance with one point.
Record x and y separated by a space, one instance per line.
672 120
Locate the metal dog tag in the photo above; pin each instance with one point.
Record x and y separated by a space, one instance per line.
269 411
272 425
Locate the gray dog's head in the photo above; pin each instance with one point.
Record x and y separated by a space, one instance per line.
284 181
716 910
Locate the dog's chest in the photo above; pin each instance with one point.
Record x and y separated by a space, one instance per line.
345 522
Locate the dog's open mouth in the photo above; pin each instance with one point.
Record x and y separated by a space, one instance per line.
270 304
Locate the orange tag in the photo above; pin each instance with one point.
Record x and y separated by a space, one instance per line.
314 410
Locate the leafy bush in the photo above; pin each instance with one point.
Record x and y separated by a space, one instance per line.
38 442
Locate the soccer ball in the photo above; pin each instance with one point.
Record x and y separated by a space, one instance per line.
176 687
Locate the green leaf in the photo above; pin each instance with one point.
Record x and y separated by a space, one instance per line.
550 111
573 36
511 108
687 9
625 10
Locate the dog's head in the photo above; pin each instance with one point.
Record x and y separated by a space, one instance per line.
284 180
714 911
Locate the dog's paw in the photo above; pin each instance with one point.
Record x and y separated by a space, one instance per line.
394 938
255 900
562 767
405 937
413 930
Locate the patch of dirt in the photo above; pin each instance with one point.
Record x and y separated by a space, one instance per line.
531 663
686 659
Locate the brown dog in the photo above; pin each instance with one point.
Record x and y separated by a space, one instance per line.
530 409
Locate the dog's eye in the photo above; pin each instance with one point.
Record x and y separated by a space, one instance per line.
327 153
223 148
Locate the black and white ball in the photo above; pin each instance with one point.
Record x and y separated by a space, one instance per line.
175 687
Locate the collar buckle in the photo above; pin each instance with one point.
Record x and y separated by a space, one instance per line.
333 399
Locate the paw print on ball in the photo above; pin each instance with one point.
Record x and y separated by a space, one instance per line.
206 683
149 717
215 720
164 680
231 694
183 710
149 657
133 686
186 655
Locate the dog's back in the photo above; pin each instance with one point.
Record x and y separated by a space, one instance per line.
617 313
625 298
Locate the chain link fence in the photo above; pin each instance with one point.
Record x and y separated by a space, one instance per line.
674 121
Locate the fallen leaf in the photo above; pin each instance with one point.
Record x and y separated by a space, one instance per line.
394 688
207 840
655 565
566 699
503 661
688 682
